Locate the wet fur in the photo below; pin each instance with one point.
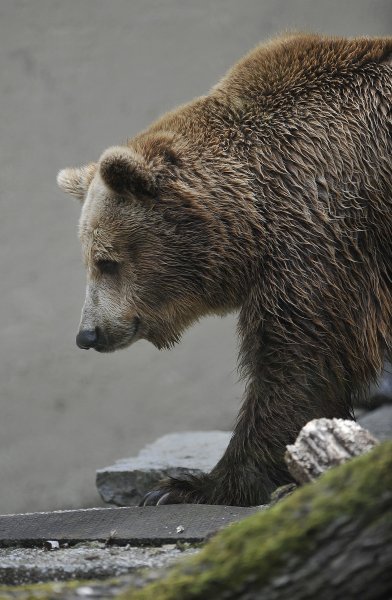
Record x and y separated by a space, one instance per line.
275 192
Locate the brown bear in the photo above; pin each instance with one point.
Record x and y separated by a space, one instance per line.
271 196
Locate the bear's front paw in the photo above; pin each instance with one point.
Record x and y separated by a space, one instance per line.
190 490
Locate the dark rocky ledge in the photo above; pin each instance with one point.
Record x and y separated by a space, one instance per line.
328 539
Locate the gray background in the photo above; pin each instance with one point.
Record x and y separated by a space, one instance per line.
76 77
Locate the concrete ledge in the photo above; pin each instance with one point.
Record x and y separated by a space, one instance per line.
150 525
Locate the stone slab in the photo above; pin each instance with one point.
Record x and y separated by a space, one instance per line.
150 525
381 392
378 422
126 482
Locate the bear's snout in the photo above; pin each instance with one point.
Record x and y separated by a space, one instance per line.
87 338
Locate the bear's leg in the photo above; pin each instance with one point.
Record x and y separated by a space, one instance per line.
275 409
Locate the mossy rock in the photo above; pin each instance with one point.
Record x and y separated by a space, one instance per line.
320 542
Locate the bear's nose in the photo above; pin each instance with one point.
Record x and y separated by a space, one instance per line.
87 338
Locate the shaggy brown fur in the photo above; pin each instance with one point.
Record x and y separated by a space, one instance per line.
272 195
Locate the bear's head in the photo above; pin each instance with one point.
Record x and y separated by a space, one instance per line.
148 246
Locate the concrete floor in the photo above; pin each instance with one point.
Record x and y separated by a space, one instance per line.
76 77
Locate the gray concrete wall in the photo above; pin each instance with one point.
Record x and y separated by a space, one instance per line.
75 77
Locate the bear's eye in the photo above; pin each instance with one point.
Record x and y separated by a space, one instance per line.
108 267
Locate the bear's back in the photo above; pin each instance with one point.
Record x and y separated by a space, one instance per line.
299 64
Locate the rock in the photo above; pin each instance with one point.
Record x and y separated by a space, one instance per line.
378 422
282 492
381 392
93 560
326 443
126 482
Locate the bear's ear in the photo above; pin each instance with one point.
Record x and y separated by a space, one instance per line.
144 164
124 170
76 181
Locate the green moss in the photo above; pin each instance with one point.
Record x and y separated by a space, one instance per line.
38 591
103 588
260 546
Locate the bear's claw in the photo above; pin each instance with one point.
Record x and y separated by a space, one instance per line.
190 490
156 497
